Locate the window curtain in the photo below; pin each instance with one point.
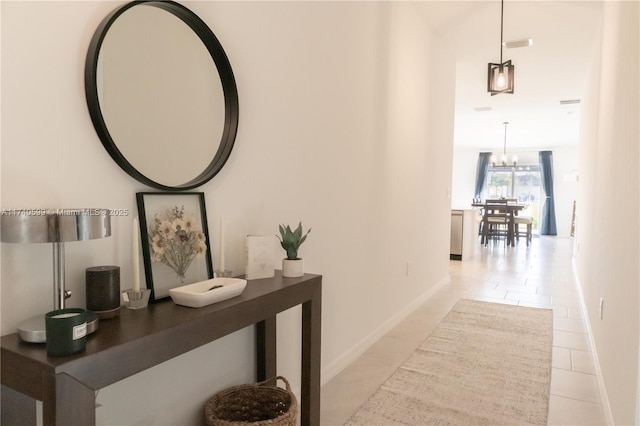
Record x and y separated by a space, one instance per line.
481 172
548 215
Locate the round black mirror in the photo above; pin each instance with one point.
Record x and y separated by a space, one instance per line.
161 94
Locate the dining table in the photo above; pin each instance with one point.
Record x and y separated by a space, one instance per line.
510 208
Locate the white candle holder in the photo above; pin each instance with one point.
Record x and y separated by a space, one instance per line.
133 299
223 274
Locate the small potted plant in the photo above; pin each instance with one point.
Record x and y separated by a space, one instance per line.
292 265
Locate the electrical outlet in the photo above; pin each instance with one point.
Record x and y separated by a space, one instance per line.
601 308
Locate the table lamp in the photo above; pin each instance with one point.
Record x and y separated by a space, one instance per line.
56 226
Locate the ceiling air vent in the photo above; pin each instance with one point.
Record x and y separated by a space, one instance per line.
518 43
570 101
483 109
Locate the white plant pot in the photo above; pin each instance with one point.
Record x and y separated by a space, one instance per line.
292 268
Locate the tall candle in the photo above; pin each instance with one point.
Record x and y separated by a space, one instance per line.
221 248
135 256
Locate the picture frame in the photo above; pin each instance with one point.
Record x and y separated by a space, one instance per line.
175 240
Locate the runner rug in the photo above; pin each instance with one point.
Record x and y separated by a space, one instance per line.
484 364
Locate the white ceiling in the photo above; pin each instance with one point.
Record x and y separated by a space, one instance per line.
565 38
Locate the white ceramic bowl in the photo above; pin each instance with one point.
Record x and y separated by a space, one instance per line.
203 293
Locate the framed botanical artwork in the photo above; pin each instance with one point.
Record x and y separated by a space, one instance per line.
175 240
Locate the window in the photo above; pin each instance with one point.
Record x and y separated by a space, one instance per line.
522 182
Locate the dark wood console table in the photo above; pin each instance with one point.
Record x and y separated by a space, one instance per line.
67 385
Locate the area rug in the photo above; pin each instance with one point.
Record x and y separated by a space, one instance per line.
484 364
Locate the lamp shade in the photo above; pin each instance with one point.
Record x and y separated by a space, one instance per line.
52 226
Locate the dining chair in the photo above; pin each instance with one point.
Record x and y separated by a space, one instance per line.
495 221
528 233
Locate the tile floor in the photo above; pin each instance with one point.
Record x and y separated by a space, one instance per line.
539 276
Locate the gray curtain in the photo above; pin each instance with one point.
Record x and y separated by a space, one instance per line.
481 172
548 215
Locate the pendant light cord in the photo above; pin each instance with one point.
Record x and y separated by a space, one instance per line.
501 26
504 150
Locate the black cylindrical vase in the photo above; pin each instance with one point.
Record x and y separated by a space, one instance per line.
103 291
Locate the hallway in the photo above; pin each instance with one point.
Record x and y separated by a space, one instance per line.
538 276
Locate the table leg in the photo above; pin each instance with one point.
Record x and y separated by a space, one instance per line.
311 340
266 349
66 401
484 230
510 227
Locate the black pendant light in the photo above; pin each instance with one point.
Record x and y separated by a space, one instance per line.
500 76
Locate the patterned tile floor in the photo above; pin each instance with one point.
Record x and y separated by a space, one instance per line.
540 276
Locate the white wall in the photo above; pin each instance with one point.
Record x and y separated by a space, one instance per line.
338 128
463 179
607 239
565 159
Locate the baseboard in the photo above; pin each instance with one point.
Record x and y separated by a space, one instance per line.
606 407
335 367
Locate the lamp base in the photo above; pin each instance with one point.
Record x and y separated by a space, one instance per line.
33 330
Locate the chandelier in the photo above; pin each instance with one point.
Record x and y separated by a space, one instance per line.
500 76
503 159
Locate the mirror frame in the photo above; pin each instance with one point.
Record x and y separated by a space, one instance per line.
227 79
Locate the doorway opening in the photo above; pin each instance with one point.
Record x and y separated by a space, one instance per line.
523 183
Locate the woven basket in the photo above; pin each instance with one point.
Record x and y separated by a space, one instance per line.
255 404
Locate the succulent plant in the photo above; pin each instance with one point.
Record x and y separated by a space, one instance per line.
292 240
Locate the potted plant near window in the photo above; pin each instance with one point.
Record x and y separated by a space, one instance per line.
292 265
